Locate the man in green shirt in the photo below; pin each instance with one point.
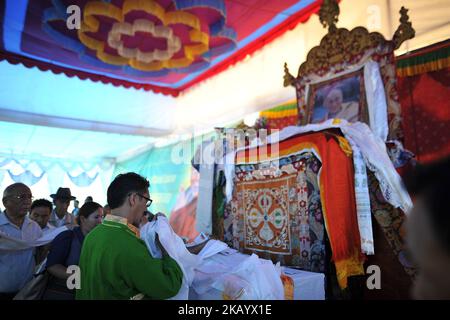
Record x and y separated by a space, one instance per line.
115 263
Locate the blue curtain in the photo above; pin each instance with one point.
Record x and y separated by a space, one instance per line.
82 180
26 177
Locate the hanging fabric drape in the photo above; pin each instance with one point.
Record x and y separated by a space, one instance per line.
335 178
31 171
424 88
27 177
83 179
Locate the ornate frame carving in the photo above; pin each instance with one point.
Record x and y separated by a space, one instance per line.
341 48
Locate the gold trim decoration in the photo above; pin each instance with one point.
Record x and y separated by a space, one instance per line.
288 77
342 49
123 221
329 14
339 45
404 31
423 68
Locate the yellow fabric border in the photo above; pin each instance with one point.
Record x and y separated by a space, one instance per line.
424 68
89 42
291 150
111 59
191 51
197 49
274 114
347 268
183 18
179 63
151 66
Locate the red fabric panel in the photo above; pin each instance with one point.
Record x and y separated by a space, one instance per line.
425 101
341 218
338 199
337 181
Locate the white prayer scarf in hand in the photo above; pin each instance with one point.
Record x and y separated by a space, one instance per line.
12 244
176 249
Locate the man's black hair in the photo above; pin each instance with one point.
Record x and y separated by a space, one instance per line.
432 183
41 203
123 185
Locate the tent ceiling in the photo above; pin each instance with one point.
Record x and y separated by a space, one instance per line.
124 41
33 91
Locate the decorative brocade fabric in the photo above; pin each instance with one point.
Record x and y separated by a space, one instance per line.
426 110
336 178
278 214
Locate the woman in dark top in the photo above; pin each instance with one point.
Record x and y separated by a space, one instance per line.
65 251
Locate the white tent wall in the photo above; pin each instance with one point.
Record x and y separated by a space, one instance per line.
45 175
256 83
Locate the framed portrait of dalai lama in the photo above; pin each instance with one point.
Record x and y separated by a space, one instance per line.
343 97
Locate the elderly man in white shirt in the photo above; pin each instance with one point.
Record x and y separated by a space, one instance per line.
16 267
60 217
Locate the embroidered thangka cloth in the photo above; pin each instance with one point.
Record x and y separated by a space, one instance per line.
276 211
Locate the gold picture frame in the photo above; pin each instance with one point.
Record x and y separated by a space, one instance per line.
342 96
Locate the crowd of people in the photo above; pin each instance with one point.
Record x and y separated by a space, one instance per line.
104 241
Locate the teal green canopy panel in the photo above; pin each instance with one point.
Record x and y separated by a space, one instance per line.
168 169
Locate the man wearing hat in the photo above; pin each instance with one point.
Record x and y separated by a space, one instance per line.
60 216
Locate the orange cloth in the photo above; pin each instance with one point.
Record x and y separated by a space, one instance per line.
336 189
340 214
288 285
